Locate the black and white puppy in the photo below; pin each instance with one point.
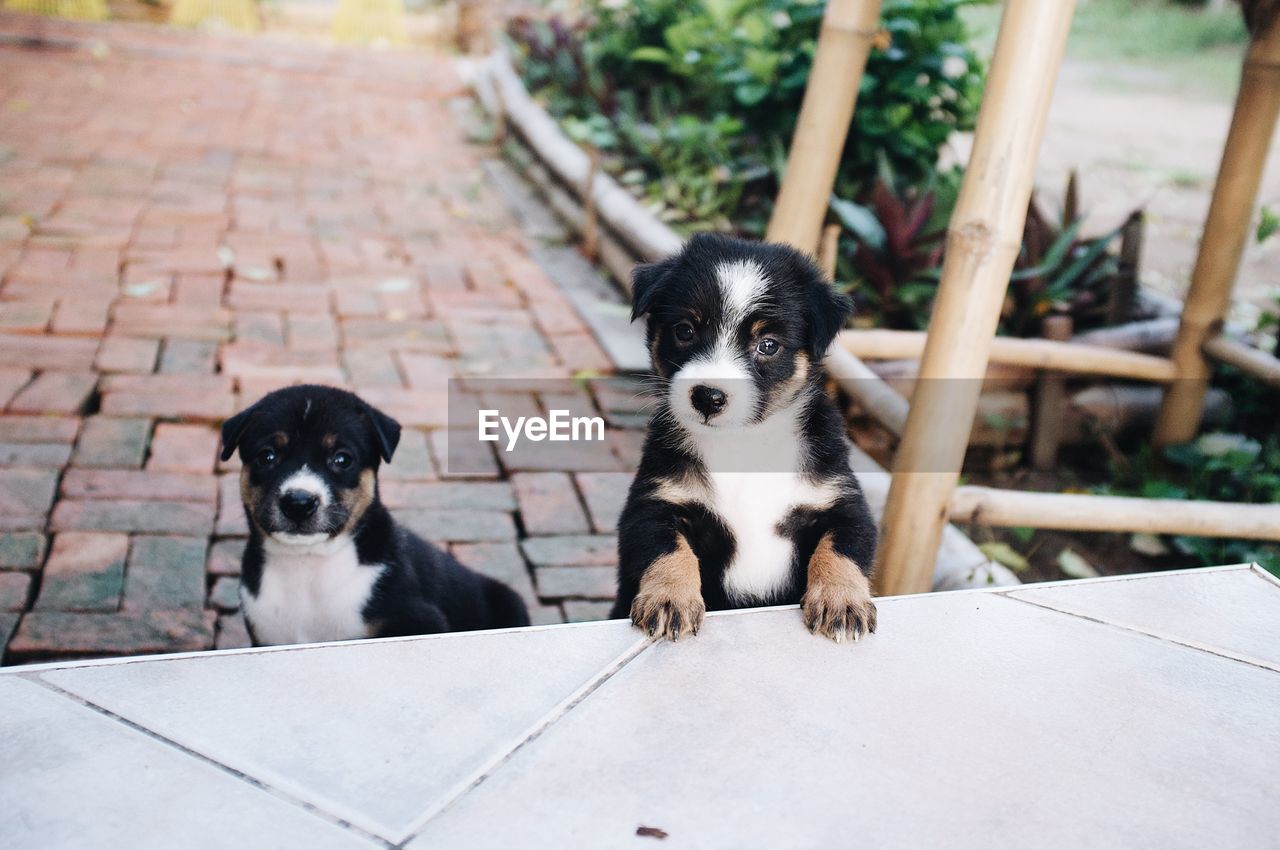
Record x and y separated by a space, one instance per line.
744 494
325 560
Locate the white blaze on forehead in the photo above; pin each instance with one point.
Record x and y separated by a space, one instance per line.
725 365
742 285
308 482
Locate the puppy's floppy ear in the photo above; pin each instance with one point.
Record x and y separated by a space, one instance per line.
386 431
646 282
233 430
828 312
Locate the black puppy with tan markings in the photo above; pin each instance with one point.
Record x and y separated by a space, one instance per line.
325 560
744 495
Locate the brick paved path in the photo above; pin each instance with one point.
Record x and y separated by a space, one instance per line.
187 223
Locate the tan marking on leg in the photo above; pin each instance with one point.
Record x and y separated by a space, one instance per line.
669 603
837 602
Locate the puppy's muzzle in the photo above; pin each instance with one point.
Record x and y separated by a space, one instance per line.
708 400
298 505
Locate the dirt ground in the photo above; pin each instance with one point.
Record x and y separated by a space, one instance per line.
1143 138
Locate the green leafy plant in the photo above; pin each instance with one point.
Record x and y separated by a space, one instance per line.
897 240
1221 467
1060 271
643 76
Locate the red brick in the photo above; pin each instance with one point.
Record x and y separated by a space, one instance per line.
27 493
225 594
231 519
138 485
265 362
38 429
283 297
412 460
225 557
199 290
52 633
52 455
80 316
189 404
85 572
232 632
183 448
172 320
47 352
445 277
112 442
127 354
21 551
56 392
15 589
12 380
605 493
165 573
133 516
549 503
580 352
260 327
311 332
369 367
189 356
26 316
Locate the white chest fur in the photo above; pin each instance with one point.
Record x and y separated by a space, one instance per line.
310 593
755 484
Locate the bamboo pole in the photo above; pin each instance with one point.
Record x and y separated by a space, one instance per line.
1225 232
591 219
1082 512
882 401
1051 396
1044 354
982 244
844 42
1244 357
625 216
828 250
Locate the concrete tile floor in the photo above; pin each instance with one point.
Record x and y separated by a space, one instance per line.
1128 712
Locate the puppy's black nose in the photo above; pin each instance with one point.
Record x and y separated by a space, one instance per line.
708 400
297 505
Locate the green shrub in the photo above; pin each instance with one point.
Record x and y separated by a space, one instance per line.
696 100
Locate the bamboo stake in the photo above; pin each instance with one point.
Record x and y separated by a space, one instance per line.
591 220
1049 355
827 251
1081 512
982 244
853 376
1051 396
635 226
1225 232
1244 357
844 42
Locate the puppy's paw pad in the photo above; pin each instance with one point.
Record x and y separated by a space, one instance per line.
668 617
839 612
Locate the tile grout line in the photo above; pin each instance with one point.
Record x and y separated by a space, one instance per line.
261 785
487 769
1154 635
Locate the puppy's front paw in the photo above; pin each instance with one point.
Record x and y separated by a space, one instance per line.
667 615
838 611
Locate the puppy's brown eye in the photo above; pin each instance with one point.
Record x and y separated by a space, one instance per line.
341 460
768 347
266 457
684 332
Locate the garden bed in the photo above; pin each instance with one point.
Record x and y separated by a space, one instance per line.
1060 273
